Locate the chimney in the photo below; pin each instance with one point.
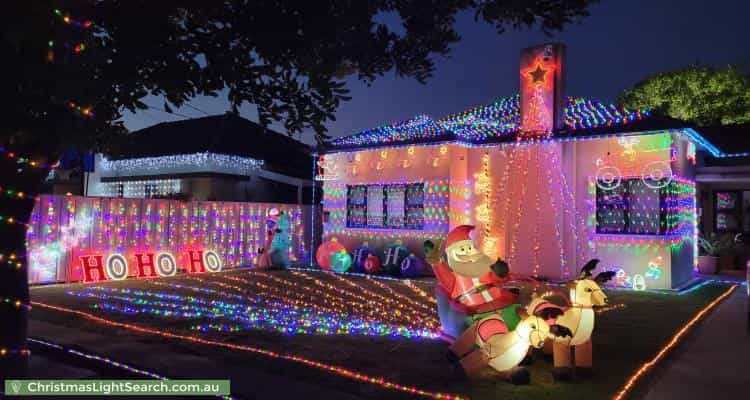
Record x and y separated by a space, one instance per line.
542 86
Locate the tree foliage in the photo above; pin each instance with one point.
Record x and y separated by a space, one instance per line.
71 67
290 58
703 95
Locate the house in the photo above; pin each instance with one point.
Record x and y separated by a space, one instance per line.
549 181
723 177
221 157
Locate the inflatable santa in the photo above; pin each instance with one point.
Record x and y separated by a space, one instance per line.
469 278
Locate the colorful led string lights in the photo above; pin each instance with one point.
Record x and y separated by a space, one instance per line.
484 211
81 23
496 120
26 161
11 260
321 296
279 317
129 226
367 304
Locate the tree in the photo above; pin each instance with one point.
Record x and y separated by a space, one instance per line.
72 66
702 95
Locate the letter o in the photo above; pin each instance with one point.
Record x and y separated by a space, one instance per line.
212 261
639 283
166 265
116 267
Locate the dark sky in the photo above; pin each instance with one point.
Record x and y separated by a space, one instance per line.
620 43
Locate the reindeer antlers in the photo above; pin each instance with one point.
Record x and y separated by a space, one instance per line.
604 276
586 270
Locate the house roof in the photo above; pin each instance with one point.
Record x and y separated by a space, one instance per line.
220 134
500 122
731 145
729 139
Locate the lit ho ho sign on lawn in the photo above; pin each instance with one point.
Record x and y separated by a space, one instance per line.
116 266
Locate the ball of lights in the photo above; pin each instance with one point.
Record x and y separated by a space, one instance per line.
413 266
359 256
341 261
393 255
326 250
372 264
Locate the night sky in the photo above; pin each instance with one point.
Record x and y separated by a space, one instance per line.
620 43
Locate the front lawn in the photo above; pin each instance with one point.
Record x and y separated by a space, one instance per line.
624 338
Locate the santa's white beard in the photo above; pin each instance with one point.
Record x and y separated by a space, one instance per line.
473 269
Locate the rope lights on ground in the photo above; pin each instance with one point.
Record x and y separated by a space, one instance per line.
633 380
344 372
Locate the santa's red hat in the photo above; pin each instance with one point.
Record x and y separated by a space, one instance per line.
458 234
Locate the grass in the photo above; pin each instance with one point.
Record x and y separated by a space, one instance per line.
624 339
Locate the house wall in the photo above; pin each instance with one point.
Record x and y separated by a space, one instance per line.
430 165
636 156
534 205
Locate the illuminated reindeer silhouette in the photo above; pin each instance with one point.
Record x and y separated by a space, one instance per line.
574 353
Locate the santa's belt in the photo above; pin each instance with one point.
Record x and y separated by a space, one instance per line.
473 291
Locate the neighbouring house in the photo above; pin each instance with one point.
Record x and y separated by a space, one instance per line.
549 181
723 179
191 195
221 157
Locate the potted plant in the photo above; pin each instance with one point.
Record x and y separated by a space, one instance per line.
712 246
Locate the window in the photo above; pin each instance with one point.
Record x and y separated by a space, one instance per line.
728 211
397 206
120 190
149 191
633 207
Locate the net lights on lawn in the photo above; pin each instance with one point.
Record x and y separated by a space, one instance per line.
247 315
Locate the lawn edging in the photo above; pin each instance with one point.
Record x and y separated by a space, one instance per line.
676 340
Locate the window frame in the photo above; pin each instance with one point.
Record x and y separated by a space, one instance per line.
363 207
627 229
738 211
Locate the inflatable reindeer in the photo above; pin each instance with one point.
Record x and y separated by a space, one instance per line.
502 340
573 354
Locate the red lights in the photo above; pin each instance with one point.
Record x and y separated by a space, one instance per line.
542 105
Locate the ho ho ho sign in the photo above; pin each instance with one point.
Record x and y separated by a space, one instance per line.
116 266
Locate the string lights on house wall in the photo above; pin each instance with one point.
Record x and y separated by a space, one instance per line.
434 210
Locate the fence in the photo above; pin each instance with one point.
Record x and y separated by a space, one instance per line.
64 228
